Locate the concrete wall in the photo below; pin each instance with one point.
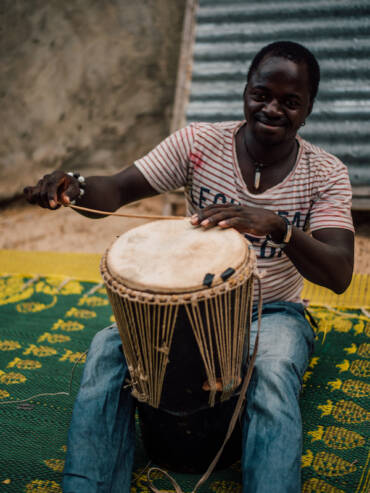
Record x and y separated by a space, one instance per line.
85 85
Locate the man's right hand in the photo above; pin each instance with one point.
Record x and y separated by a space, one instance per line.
53 190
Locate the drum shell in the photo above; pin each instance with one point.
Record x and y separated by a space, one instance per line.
184 433
185 372
189 443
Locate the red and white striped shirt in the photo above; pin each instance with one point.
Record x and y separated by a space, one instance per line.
202 158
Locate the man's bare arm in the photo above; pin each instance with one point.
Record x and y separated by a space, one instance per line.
325 258
106 193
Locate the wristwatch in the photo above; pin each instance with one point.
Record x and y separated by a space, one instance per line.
286 238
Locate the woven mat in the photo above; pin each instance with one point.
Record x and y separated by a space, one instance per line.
47 322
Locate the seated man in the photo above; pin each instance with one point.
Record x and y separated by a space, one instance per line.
259 177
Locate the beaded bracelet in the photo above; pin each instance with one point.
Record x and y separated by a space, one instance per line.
81 183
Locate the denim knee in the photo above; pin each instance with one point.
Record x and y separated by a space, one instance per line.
279 374
105 364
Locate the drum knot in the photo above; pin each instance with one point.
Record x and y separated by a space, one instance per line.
163 349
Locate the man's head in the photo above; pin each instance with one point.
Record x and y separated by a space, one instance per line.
278 97
297 54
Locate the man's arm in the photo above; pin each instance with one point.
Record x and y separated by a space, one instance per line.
106 193
326 258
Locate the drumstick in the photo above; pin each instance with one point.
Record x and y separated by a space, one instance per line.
137 216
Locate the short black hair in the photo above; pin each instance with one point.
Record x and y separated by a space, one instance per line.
294 52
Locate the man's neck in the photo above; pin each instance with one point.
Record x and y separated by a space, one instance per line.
261 152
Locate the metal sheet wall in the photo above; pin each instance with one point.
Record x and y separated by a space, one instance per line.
229 33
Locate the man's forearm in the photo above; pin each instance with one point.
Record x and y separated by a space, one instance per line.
326 259
109 193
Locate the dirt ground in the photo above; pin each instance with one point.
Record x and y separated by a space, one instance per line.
26 227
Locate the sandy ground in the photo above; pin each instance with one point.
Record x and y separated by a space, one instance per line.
26 227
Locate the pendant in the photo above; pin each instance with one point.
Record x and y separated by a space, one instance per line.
257 177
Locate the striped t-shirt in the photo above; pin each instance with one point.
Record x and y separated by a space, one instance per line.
202 158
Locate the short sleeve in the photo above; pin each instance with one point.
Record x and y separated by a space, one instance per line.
166 166
333 198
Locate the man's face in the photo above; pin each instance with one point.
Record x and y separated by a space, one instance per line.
277 100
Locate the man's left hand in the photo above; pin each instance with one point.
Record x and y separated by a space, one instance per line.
253 220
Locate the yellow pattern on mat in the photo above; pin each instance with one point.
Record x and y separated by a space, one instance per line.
85 267
80 266
356 296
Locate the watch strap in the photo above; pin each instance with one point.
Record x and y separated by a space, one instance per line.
286 238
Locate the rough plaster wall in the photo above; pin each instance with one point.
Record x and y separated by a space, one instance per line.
84 84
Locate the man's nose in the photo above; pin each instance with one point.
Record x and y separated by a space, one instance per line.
272 108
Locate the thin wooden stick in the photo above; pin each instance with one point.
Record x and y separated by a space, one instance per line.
137 216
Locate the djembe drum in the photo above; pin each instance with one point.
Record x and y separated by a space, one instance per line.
182 300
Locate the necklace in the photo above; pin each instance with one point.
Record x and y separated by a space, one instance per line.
258 166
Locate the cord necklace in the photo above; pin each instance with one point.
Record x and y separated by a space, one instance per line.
258 165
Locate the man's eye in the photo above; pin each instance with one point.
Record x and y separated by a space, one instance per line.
292 104
259 97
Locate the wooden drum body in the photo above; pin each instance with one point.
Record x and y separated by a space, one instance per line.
182 300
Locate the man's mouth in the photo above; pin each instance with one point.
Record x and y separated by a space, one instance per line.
270 123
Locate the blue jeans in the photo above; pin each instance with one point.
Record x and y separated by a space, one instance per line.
101 438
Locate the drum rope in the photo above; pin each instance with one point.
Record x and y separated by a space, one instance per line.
146 348
120 214
235 415
205 349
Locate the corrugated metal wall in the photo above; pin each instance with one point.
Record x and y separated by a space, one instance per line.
229 33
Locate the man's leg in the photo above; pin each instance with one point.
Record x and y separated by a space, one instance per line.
272 428
101 438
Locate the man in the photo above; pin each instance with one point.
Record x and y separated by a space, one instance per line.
259 177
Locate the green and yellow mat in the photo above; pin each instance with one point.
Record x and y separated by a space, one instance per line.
52 304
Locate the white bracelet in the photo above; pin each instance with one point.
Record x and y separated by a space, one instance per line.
81 183
286 238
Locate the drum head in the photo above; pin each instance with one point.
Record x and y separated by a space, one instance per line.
173 256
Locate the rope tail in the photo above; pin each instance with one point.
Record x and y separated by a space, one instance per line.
49 394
